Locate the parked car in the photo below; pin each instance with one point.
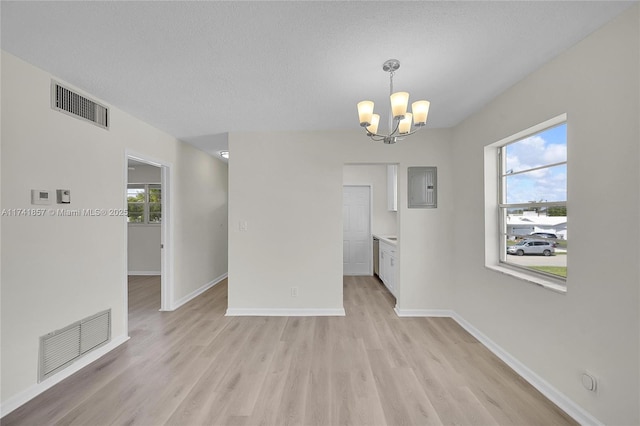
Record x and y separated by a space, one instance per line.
543 235
529 246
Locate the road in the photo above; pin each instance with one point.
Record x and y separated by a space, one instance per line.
535 260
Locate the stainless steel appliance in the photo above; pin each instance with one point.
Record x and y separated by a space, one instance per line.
376 256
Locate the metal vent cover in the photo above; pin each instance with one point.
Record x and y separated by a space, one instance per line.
60 348
69 102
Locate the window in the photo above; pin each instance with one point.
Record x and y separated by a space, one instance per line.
532 201
144 203
525 205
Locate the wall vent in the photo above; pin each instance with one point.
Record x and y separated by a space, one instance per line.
67 101
60 348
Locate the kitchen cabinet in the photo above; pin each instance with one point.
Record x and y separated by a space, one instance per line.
392 187
388 266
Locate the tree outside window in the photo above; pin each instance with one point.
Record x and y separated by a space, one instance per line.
144 203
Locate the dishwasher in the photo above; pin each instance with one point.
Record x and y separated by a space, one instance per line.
376 256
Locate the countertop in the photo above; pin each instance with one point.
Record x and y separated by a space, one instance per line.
386 239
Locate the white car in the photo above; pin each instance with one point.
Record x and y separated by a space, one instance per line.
528 246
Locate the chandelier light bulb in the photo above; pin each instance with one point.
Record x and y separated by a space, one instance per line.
405 124
365 112
373 128
399 102
420 110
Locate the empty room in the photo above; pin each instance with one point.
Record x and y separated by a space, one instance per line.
320 213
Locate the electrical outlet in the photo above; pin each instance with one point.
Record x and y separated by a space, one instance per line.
294 291
243 225
589 382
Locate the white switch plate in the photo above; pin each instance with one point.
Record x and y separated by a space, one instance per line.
243 225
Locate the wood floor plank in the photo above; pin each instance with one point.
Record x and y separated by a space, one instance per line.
195 366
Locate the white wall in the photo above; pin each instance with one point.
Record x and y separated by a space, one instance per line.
57 270
143 240
595 325
201 201
384 222
143 250
144 173
288 188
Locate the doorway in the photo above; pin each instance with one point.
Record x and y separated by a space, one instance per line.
147 237
356 219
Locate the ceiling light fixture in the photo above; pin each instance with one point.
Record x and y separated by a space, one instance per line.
224 154
399 119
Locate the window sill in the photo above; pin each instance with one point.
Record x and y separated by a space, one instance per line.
548 283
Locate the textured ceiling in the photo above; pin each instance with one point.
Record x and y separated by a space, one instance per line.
200 69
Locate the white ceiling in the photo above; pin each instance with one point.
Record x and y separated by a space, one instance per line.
200 69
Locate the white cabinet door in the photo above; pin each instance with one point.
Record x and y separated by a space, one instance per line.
392 187
391 275
383 262
388 266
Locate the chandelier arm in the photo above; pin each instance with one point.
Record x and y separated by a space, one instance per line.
376 138
412 132
395 131
390 135
373 134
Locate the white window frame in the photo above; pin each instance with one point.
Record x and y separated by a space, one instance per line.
146 203
495 227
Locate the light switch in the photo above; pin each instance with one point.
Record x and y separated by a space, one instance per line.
243 225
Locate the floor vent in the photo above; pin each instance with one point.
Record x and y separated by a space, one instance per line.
69 102
60 348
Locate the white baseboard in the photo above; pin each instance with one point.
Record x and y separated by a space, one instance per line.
423 312
197 292
25 396
284 312
578 413
144 273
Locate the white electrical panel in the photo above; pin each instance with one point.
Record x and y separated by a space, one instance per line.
422 184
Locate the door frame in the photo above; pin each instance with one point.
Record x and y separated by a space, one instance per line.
166 231
370 243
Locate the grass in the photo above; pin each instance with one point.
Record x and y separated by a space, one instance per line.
555 270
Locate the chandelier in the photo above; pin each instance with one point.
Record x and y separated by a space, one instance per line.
399 119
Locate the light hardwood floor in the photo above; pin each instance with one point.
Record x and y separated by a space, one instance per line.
195 366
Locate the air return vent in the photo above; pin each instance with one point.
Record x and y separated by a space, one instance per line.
69 102
60 348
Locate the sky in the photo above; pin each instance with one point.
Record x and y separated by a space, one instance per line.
544 148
